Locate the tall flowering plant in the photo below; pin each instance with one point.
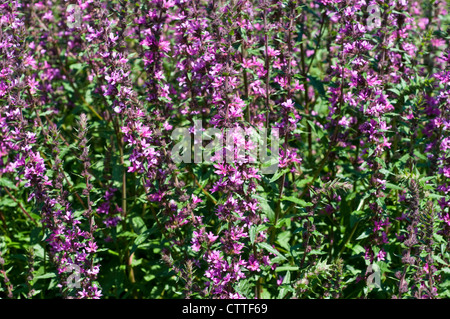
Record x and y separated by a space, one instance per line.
211 149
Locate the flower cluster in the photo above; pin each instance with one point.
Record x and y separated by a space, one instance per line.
316 148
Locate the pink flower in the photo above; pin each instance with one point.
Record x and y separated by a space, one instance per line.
92 247
381 255
272 52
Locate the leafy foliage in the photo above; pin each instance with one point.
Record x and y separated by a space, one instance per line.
93 204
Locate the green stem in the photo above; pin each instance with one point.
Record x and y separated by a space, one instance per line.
266 48
348 239
20 206
244 56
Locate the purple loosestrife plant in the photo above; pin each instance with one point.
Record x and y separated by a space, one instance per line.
313 160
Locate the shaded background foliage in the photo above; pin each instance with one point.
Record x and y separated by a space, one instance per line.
90 94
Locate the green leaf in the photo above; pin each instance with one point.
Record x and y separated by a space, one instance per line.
7 183
288 268
386 172
252 234
126 234
298 201
365 234
435 196
36 235
8 202
266 209
440 260
285 285
46 276
112 252
277 175
395 91
392 186
283 239
141 239
420 155
317 252
138 224
272 250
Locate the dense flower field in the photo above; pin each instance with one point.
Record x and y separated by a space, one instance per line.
314 159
